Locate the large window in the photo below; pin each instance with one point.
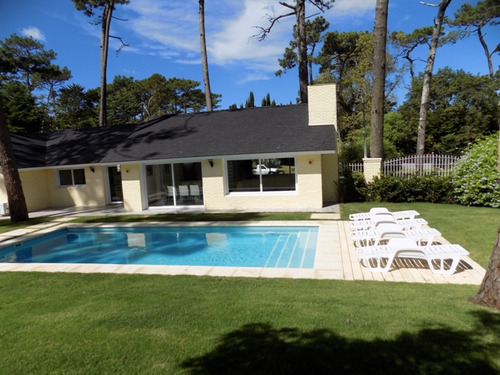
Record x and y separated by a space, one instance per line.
261 175
71 177
174 184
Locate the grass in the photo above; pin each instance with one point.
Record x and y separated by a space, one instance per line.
180 217
7 226
139 324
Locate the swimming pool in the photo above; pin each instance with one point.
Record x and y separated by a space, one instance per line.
233 246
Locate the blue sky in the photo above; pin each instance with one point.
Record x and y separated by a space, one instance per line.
164 38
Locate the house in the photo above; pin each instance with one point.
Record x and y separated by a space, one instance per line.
276 158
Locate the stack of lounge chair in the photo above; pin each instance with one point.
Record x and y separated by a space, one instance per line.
381 236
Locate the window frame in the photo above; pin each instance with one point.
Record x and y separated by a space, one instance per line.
261 191
73 178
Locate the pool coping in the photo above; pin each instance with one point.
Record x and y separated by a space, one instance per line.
321 269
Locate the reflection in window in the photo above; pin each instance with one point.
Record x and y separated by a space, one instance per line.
258 175
71 177
174 184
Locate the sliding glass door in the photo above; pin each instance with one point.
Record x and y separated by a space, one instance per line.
177 184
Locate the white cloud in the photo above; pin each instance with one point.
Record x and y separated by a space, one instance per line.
172 24
33 32
170 29
353 6
237 41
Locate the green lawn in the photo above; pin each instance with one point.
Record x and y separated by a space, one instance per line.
6 225
136 324
139 324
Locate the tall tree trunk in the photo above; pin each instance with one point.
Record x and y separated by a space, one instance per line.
426 89
489 291
486 52
105 25
492 77
300 11
15 194
204 60
378 90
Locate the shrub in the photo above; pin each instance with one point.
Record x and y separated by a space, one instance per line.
415 188
352 187
476 178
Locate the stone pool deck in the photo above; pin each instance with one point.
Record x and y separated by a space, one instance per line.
335 258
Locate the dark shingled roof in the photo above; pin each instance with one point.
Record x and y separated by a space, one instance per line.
263 130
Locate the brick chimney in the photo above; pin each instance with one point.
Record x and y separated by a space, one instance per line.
322 105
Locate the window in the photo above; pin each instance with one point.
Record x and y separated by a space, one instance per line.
71 177
261 175
174 184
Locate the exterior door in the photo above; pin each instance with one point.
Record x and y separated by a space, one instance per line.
115 185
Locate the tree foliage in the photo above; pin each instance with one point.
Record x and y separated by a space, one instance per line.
472 19
476 179
250 102
22 114
314 30
27 68
76 108
346 60
267 102
298 9
462 107
406 44
25 60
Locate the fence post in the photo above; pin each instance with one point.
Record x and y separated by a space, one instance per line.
372 167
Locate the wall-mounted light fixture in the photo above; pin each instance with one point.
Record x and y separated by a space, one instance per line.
118 168
211 163
92 169
311 161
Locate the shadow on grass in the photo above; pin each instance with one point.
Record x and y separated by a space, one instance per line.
6 225
262 349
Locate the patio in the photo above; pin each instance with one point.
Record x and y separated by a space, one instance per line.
335 255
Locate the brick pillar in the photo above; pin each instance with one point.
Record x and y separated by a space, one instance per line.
372 167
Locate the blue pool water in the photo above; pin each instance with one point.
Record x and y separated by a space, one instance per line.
280 247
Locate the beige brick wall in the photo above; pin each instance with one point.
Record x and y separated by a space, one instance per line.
35 188
132 188
309 194
213 183
41 189
91 194
322 104
330 172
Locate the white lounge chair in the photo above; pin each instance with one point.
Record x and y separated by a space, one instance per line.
380 258
387 231
398 215
379 219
